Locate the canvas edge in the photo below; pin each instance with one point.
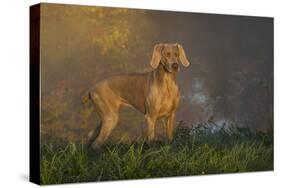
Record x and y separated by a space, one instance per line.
34 95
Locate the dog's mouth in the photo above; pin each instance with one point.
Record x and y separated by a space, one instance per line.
167 70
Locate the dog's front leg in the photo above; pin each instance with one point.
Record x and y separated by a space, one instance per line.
150 121
170 126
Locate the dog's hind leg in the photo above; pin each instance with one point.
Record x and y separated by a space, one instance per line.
93 135
107 107
108 124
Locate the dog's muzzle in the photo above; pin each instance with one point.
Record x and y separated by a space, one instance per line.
175 67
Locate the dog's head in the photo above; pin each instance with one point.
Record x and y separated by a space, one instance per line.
170 56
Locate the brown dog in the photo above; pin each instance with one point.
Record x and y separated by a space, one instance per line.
154 93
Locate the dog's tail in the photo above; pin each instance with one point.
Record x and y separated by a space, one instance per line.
86 98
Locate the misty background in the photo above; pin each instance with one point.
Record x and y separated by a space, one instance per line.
230 79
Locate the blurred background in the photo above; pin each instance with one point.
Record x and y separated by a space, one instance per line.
230 79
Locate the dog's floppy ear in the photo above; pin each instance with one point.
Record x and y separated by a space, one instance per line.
182 56
156 56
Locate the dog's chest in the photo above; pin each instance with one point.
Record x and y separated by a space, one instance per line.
165 99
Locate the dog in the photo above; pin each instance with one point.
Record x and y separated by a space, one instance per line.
155 94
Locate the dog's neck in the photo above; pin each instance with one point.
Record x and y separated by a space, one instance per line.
163 77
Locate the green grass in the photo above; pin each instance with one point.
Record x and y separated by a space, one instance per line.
193 152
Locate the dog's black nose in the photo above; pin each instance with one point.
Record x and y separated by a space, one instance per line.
175 66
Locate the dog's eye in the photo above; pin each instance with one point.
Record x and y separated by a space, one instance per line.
168 54
176 54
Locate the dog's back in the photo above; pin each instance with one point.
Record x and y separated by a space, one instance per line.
129 89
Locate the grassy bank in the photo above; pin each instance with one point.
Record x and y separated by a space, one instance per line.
193 152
